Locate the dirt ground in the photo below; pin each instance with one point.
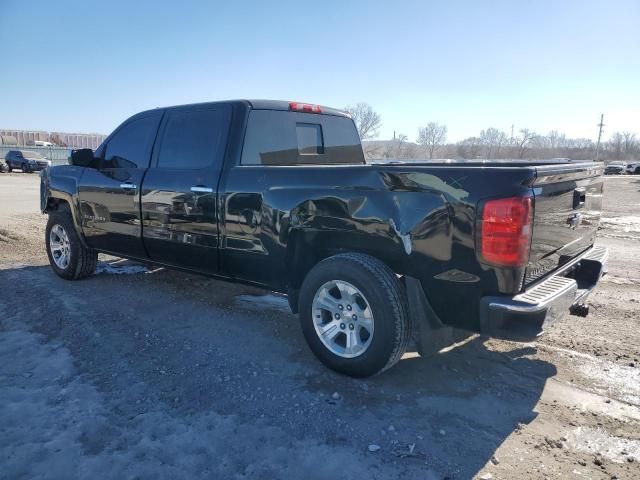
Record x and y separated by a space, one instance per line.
137 373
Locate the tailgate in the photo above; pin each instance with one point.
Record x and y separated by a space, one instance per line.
568 204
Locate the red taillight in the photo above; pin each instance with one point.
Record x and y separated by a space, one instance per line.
304 107
505 231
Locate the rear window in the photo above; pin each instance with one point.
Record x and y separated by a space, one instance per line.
290 138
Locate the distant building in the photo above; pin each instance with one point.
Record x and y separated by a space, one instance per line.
71 140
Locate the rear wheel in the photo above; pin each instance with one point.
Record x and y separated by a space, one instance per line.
9 167
68 256
353 314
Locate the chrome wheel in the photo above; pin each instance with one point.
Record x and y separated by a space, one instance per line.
342 319
60 247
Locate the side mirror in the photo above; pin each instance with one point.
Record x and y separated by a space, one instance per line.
82 158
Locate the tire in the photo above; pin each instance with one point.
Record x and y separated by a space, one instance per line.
637 171
9 169
81 261
25 168
383 294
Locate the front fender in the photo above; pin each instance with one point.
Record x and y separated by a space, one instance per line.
60 184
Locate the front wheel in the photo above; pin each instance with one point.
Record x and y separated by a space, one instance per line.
353 313
26 168
68 256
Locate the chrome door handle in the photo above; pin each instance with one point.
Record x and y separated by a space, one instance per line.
199 189
128 186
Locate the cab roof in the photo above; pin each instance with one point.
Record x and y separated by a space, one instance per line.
262 104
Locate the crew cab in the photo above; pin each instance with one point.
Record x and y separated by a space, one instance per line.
371 256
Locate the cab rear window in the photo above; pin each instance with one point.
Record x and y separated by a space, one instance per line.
290 138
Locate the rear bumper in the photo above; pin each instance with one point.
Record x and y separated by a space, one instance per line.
524 316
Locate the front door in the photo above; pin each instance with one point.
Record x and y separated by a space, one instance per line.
110 194
179 192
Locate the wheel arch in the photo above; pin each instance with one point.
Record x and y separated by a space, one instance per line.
306 248
57 201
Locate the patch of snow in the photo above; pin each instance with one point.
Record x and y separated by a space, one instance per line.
628 224
121 269
269 301
597 440
609 378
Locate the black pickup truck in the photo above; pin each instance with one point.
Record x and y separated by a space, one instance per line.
371 256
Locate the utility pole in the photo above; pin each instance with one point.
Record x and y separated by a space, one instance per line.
512 134
601 124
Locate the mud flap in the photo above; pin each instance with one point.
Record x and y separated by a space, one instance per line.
429 333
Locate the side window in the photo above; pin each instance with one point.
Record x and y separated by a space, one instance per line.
130 147
275 137
270 139
194 139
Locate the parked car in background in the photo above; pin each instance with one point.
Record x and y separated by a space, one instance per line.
26 160
615 168
3 166
633 168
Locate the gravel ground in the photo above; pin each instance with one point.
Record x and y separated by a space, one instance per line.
137 373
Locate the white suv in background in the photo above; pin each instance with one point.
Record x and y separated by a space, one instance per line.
633 168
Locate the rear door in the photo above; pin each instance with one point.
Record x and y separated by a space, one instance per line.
110 194
277 144
179 194
568 204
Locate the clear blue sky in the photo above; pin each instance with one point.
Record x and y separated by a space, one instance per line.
87 65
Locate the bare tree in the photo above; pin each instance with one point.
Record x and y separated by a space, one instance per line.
630 143
398 147
469 147
616 144
493 139
373 150
523 140
367 120
432 136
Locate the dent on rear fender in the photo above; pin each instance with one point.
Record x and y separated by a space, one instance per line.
411 210
423 215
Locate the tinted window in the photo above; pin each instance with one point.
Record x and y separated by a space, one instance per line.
130 147
288 138
193 139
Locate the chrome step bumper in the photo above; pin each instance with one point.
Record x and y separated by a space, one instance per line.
524 316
